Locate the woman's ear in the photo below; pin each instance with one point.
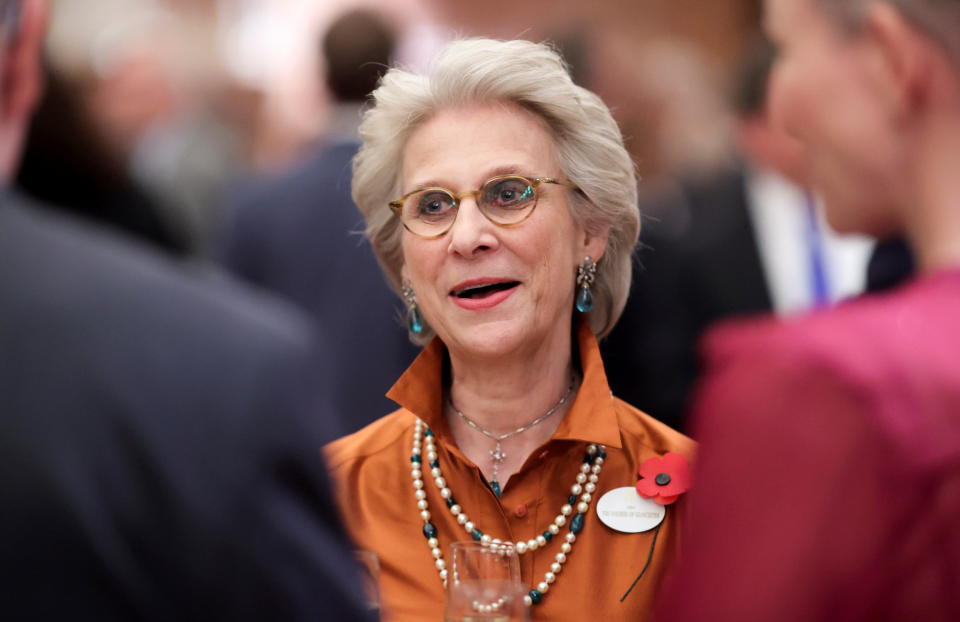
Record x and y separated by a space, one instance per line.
905 63
595 242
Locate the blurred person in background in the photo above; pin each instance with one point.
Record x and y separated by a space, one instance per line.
502 204
739 242
151 76
828 481
659 66
158 433
668 101
68 164
298 233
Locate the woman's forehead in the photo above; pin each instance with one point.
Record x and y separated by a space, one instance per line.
471 144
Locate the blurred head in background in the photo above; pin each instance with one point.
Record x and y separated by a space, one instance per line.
22 27
668 101
126 62
762 141
872 89
357 49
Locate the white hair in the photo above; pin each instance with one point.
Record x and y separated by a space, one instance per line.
533 76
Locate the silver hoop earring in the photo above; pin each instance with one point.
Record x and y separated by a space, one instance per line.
586 275
414 319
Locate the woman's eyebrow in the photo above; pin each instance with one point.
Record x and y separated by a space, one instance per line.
428 184
503 169
508 169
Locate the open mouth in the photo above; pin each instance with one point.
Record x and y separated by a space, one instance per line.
480 291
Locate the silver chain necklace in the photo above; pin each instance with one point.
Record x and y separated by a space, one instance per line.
497 453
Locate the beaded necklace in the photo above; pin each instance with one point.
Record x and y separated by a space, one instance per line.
583 489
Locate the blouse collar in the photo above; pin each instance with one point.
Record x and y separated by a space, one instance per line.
592 417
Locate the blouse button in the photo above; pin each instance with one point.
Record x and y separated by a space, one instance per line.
520 511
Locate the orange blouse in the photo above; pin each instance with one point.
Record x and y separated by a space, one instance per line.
371 470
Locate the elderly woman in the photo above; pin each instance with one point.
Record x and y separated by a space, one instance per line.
501 202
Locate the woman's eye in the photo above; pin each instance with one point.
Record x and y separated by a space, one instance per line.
510 193
434 203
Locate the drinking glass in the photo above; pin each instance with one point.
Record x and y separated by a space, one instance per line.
484 584
369 565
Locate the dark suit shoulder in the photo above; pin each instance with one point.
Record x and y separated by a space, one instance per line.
125 329
285 230
158 429
325 172
55 265
696 211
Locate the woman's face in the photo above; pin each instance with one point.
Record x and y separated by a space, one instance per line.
528 270
829 89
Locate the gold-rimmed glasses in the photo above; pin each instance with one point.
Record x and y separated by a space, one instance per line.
506 200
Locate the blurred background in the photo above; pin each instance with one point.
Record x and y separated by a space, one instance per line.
221 132
163 104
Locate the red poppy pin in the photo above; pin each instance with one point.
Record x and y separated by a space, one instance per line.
663 480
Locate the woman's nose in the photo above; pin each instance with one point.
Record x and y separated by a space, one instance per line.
472 232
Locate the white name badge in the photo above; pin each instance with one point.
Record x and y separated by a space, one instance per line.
624 510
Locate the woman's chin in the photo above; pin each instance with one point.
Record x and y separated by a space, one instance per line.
482 339
491 339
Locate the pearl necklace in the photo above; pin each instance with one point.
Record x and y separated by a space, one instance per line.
497 453
584 487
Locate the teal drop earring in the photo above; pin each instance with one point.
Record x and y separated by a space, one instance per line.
586 274
414 319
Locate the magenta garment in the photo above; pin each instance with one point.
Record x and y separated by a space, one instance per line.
827 486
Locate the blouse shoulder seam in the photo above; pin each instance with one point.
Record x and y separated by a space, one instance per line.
367 450
679 439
